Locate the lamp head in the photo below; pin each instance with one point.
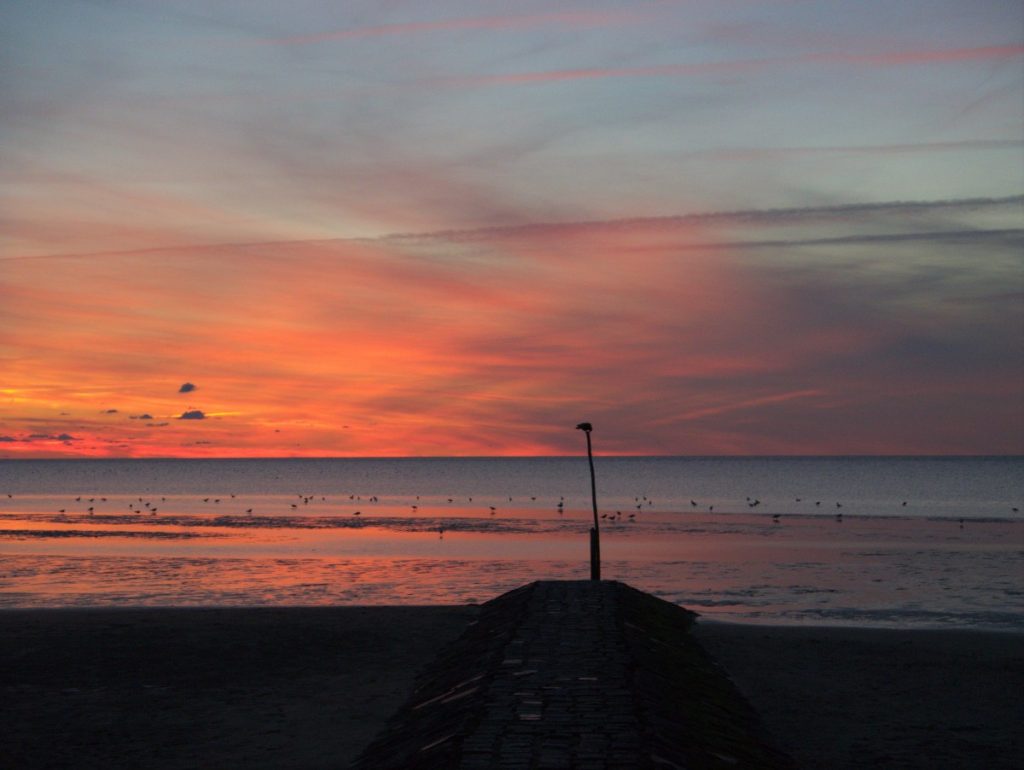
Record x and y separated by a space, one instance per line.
585 426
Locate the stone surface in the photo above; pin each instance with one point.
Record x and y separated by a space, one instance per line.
581 674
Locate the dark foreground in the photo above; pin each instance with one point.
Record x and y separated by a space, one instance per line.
585 674
857 698
309 688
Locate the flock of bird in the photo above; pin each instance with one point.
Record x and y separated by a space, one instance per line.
141 505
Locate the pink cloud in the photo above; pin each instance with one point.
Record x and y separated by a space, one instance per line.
893 59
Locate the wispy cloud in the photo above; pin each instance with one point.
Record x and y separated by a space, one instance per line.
741 66
748 153
925 56
572 19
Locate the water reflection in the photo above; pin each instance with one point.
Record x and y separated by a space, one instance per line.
908 572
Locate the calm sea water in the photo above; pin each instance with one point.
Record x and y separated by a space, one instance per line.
912 542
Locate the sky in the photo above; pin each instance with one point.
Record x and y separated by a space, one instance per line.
395 227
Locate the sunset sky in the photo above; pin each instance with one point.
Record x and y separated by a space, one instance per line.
399 227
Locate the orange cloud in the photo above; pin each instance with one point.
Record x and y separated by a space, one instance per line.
676 335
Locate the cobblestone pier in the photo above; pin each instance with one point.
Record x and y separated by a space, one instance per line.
575 674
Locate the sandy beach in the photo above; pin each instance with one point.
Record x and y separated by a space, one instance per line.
309 687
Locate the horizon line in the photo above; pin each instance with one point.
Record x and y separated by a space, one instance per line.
837 456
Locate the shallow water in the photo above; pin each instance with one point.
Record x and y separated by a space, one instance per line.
445 531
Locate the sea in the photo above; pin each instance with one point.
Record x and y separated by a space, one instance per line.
904 542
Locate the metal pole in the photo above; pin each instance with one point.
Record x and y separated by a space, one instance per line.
595 532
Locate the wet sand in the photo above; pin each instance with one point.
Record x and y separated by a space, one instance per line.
309 687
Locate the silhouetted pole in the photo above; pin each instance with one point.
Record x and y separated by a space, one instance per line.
595 534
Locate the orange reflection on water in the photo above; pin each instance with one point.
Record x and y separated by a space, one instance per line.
802 569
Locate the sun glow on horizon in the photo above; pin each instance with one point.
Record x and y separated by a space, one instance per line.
664 332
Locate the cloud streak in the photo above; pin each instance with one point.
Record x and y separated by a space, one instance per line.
571 19
741 66
750 153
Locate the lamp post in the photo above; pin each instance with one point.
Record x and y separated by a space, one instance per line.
595 534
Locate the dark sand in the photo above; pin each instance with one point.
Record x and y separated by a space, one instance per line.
208 688
308 688
841 698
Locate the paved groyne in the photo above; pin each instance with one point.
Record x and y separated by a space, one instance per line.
575 674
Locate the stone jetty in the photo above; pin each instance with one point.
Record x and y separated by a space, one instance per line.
575 674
